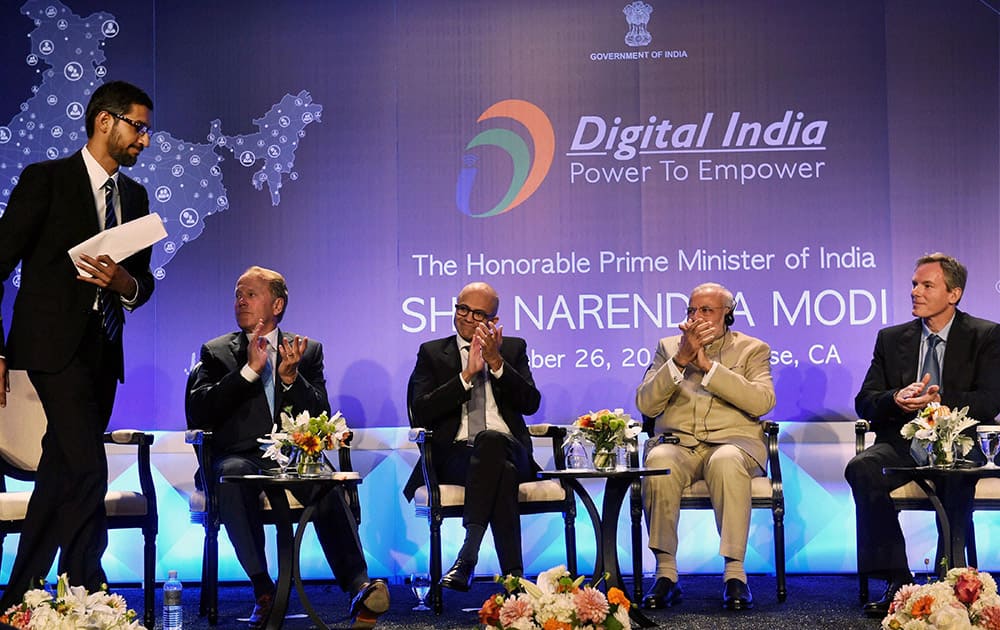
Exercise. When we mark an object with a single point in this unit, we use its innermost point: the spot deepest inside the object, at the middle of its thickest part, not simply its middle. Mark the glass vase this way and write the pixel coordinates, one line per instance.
(310, 466)
(941, 454)
(605, 458)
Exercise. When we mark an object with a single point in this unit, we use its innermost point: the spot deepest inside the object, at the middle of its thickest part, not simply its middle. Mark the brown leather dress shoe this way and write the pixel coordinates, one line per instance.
(261, 611)
(370, 602)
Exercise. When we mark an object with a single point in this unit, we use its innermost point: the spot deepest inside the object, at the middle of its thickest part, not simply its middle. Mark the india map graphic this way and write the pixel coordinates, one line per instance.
(183, 177)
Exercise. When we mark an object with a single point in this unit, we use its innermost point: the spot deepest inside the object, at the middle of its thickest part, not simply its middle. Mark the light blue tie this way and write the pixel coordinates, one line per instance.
(931, 366)
(267, 379)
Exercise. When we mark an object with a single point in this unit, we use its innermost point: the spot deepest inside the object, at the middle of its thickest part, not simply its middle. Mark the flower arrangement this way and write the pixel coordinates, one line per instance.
(939, 429)
(306, 435)
(71, 607)
(965, 598)
(607, 430)
(555, 602)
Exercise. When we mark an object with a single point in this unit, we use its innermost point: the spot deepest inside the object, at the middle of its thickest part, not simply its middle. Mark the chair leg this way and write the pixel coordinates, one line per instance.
(636, 513)
(435, 564)
(569, 521)
(970, 546)
(779, 552)
(149, 576)
(210, 582)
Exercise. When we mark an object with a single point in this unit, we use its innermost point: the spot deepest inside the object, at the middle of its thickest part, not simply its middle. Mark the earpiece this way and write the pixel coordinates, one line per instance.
(729, 319)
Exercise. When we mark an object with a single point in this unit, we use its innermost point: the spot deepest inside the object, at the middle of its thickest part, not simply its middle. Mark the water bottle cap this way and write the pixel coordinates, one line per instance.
(171, 574)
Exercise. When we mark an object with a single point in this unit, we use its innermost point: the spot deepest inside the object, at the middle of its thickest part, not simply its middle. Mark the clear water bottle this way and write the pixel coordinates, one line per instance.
(173, 614)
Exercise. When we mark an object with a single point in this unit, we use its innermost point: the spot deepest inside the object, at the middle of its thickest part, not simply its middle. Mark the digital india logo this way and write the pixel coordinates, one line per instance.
(528, 175)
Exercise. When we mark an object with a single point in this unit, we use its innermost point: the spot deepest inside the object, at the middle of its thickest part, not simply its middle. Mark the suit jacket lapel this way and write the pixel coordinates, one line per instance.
(956, 351)
(909, 352)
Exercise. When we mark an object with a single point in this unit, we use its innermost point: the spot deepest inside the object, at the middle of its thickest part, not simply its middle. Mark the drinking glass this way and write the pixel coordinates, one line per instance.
(989, 442)
(287, 452)
(420, 584)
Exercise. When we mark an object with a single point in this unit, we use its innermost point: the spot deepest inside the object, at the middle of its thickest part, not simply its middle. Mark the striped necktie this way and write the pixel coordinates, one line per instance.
(108, 302)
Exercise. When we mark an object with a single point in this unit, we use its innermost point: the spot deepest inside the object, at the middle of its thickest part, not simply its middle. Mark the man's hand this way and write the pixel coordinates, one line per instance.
(476, 363)
(291, 353)
(490, 338)
(918, 395)
(695, 335)
(108, 274)
(4, 383)
(257, 349)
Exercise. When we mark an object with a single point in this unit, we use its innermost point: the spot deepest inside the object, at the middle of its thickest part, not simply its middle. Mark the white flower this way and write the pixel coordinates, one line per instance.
(952, 616)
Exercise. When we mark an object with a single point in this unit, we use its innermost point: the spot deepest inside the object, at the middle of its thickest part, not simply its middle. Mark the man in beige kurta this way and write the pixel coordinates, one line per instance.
(708, 387)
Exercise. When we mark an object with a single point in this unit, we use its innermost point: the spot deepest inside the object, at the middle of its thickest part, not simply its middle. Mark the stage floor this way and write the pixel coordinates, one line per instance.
(813, 601)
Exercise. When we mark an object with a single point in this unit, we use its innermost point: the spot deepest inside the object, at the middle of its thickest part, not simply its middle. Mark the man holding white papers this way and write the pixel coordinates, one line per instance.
(67, 329)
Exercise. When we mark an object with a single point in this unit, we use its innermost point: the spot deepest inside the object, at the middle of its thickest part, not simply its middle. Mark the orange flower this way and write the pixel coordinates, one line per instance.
(489, 614)
(584, 422)
(922, 607)
(552, 624)
(309, 443)
(616, 596)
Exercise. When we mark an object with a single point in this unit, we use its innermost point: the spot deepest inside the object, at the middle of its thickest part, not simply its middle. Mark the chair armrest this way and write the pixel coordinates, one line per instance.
(143, 441)
(344, 453)
(773, 460)
(555, 433)
(422, 437)
(860, 428)
(128, 436)
(204, 481)
(346, 465)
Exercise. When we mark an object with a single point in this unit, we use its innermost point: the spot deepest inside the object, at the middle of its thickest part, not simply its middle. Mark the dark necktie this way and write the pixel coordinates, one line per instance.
(931, 364)
(108, 301)
(477, 404)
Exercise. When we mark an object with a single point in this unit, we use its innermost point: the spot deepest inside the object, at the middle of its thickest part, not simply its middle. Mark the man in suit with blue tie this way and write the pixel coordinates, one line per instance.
(945, 356)
(245, 379)
(67, 329)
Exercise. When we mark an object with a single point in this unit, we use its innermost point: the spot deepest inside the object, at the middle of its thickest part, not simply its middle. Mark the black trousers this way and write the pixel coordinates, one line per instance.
(239, 510)
(66, 511)
(491, 470)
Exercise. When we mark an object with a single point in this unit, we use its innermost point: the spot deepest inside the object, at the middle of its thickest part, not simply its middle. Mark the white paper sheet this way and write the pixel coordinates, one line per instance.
(122, 241)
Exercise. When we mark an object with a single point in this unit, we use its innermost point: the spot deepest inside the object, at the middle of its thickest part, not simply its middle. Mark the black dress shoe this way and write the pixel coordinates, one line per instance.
(880, 608)
(459, 576)
(663, 594)
(261, 611)
(736, 595)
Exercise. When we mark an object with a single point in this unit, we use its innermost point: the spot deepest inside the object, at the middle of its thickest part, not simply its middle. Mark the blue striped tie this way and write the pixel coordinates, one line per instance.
(108, 301)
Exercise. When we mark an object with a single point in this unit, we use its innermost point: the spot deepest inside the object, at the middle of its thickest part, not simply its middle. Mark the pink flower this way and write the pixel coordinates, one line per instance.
(989, 618)
(591, 605)
(968, 586)
(514, 609)
(902, 595)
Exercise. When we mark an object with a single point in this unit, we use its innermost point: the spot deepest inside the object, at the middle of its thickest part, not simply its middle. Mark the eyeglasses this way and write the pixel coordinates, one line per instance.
(463, 310)
(141, 128)
(703, 310)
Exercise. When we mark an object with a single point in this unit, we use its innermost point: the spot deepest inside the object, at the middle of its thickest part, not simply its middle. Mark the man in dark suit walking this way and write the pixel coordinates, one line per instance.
(245, 379)
(472, 391)
(944, 356)
(67, 329)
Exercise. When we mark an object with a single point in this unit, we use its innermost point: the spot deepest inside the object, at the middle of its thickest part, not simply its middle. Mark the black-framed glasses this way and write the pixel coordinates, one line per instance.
(702, 310)
(463, 310)
(141, 128)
